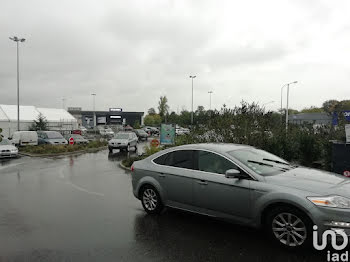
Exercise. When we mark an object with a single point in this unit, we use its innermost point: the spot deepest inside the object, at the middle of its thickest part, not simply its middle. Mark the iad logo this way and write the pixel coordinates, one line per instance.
(333, 236)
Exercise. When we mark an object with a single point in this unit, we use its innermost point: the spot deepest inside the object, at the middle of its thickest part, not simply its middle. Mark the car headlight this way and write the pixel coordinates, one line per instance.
(331, 201)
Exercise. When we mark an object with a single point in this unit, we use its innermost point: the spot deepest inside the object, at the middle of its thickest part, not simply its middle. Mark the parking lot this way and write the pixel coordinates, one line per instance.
(81, 208)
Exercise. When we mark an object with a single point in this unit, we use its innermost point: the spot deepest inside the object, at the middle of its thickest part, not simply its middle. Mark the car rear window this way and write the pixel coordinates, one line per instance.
(179, 158)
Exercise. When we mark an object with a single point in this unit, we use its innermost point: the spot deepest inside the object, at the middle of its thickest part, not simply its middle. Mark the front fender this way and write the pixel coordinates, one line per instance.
(298, 201)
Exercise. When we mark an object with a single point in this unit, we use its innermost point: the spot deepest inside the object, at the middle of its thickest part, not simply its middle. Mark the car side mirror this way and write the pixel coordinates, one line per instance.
(234, 173)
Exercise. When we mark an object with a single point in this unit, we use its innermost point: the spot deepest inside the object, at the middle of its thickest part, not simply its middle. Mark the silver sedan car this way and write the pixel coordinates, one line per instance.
(247, 186)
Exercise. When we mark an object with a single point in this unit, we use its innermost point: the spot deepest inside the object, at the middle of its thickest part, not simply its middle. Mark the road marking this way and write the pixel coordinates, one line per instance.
(83, 189)
(10, 165)
(78, 187)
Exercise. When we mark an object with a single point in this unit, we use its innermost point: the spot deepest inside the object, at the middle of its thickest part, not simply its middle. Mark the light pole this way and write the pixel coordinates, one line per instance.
(287, 108)
(210, 92)
(93, 107)
(192, 77)
(17, 40)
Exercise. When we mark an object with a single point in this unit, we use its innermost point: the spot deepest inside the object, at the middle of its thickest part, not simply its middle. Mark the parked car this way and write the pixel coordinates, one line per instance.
(152, 131)
(105, 131)
(141, 134)
(51, 137)
(123, 141)
(128, 128)
(78, 139)
(182, 131)
(7, 149)
(245, 185)
(24, 138)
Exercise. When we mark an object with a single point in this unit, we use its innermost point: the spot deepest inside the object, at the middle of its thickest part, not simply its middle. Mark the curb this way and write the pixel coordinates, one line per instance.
(124, 167)
(89, 150)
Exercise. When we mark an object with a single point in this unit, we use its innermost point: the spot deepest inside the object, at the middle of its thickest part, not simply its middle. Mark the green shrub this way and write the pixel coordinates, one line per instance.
(58, 149)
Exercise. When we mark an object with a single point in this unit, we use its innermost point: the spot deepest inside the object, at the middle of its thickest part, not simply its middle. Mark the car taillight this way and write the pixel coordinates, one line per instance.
(132, 168)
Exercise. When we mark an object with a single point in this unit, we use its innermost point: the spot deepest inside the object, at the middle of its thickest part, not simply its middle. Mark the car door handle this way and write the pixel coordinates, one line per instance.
(202, 182)
(161, 175)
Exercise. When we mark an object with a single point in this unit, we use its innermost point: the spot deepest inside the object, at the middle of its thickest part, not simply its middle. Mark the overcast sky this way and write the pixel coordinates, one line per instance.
(131, 52)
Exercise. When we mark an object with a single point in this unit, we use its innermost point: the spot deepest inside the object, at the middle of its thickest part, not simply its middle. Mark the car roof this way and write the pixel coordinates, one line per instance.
(216, 147)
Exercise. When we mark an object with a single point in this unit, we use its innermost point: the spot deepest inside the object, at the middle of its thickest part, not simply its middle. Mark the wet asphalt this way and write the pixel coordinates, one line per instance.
(81, 208)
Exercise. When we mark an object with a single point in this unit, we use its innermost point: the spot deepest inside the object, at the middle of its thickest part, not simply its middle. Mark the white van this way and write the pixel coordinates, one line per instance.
(24, 138)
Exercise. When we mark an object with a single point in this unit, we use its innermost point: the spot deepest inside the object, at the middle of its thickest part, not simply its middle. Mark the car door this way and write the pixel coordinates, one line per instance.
(214, 192)
(175, 175)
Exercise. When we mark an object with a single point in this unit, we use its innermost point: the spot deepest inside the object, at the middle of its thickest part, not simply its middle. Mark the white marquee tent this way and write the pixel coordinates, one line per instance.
(58, 119)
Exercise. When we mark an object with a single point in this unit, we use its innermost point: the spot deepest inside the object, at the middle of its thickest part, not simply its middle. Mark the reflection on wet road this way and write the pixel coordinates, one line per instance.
(81, 208)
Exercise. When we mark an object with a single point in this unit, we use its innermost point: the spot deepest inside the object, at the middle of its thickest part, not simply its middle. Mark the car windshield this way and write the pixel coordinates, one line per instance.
(261, 162)
(5, 142)
(141, 132)
(121, 136)
(54, 135)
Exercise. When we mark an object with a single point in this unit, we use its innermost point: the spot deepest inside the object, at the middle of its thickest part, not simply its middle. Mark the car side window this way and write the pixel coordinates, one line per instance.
(213, 163)
(179, 158)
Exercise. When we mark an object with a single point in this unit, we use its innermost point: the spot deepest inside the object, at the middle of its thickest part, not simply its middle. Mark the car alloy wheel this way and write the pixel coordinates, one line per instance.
(150, 199)
(289, 229)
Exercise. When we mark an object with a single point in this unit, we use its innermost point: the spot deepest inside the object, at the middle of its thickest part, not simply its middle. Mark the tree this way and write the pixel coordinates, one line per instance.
(136, 125)
(312, 109)
(39, 124)
(152, 120)
(163, 107)
(152, 111)
(330, 106)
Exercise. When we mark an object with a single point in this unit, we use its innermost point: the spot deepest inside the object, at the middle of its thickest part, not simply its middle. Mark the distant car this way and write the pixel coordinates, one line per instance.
(105, 131)
(123, 141)
(182, 131)
(128, 128)
(7, 149)
(151, 130)
(24, 138)
(83, 129)
(51, 137)
(78, 139)
(141, 134)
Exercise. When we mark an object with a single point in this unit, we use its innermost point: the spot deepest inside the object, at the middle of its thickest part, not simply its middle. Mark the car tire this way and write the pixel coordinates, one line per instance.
(151, 200)
(289, 227)
(110, 150)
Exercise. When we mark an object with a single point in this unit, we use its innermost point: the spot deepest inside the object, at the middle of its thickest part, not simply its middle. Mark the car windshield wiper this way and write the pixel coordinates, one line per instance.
(276, 161)
(260, 163)
(284, 169)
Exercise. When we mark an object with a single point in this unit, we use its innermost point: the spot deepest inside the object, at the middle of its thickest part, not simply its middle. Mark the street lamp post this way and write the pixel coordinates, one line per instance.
(210, 92)
(93, 107)
(192, 77)
(17, 40)
(287, 108)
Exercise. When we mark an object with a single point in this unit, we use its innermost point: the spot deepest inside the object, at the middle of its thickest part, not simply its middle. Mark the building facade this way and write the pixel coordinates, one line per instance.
(115, 116)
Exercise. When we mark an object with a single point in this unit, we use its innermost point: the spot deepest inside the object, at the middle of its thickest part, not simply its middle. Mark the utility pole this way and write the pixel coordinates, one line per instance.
(210, 92)
(192, 77)
(93, 108)
(17, 40)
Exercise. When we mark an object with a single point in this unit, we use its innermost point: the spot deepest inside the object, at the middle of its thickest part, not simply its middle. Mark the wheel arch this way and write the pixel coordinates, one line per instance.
(271, 206)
